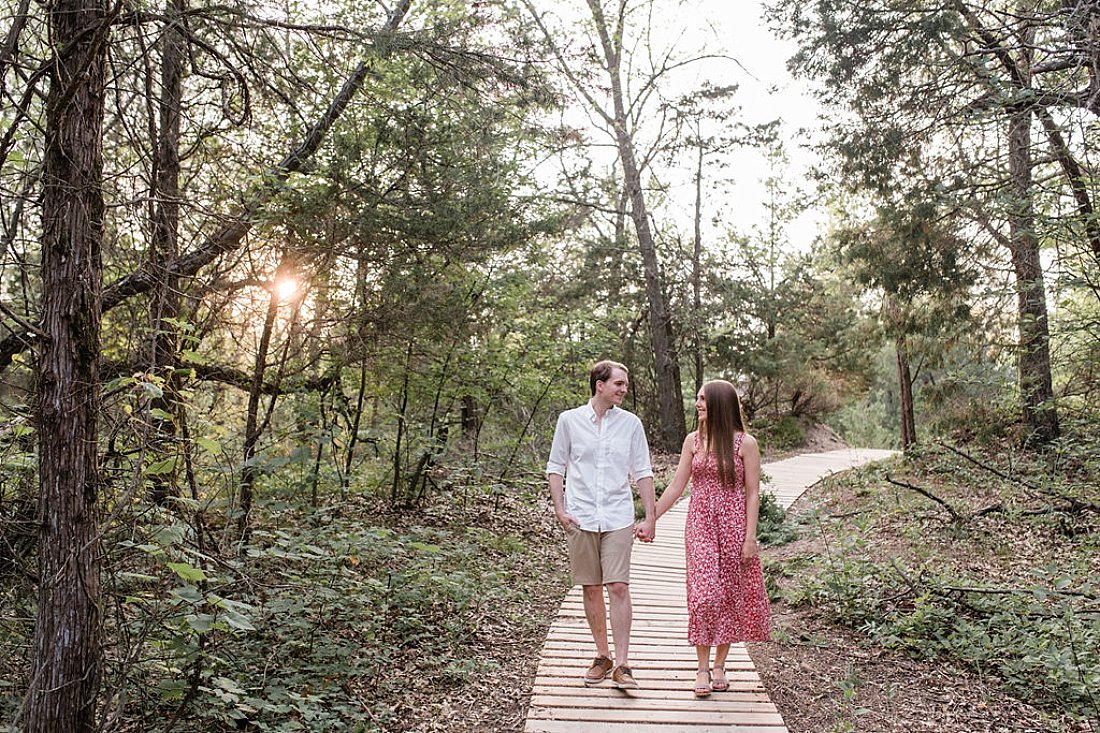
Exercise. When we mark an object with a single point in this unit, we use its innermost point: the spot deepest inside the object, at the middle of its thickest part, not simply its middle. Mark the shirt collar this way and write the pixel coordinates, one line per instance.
(590, 411)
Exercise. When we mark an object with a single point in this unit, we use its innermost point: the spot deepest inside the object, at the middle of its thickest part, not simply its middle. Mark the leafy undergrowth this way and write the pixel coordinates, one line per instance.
(981, 564)
(345, 617)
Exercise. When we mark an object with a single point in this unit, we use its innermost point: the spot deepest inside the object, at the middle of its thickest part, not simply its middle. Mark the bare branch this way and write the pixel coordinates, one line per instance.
(232, 230)
(924, 492)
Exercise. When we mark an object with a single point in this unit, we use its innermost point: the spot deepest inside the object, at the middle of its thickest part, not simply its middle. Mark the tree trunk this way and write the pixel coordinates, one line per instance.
(65, 668)
(1036, 388)
(253, 429)
(353, 433)
(696, 275)
(164, 307)
(361, 274)
(671, 403)
(905, 390)
(469, 416)
(401, 429)
(620, 243)
(671, 422)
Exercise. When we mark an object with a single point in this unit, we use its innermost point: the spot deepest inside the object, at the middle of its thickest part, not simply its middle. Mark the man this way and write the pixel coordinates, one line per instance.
(602, 447)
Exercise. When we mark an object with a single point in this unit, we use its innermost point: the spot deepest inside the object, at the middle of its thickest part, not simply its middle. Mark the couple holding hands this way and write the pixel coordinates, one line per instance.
(602, 447)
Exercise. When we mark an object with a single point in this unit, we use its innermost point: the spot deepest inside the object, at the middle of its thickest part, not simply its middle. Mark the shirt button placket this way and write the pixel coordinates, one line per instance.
(601, 434)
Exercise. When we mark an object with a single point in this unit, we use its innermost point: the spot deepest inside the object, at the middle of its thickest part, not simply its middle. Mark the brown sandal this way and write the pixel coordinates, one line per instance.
(702, 689)
(719, 682)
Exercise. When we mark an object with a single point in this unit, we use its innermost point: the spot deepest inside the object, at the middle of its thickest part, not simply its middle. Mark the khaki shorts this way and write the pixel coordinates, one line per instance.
(599, 558)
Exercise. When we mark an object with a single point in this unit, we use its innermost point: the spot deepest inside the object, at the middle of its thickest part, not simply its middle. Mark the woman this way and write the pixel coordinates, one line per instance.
(726, 599)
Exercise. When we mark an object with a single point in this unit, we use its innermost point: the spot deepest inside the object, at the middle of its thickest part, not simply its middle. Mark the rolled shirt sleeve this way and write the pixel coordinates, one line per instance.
(559, 449)
(641, 465)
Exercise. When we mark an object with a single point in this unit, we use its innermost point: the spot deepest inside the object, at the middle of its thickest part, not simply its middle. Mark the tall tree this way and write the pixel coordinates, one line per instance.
(66, 665)
(949, 92)
(620, 116)
(911, 257)
(1036, 383)
(164, 306)
(704, 121)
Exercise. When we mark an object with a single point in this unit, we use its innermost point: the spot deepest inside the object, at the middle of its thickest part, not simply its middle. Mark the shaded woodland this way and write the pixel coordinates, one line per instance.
(290, 296)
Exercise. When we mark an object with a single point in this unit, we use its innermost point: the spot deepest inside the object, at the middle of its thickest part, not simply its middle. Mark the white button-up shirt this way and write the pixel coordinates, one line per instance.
(600, 460)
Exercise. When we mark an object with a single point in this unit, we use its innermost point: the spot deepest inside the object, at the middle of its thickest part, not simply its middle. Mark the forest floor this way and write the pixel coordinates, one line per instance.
(822, 675)
(1009, 535)
(504, 651)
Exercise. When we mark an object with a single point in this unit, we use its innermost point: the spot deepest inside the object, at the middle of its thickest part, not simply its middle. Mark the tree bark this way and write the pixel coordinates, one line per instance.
(1036, 388)
(905, 390)
(401, 429)
(1036, 385)
(253, 429)
(65, 669)
(164, 307)
(353, 432)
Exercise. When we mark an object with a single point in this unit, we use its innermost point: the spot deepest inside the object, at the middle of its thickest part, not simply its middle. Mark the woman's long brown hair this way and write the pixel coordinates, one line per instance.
(723, 421)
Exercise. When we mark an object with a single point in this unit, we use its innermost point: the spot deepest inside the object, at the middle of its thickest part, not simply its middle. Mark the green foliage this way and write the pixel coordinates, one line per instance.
(1009, 591)
(961, 393)
(326, 621)
(1041, 642)
(772, 529)
(934, 233)
(783, 434)
(966, 396)
(868, 422)
(785, 360)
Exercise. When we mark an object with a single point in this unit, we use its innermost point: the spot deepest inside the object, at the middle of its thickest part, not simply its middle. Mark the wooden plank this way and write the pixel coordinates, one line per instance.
(684, 702)
(621, 713)
(655, 649)
(565, 688)
(570, 726)
(676, 696)
(646, 676)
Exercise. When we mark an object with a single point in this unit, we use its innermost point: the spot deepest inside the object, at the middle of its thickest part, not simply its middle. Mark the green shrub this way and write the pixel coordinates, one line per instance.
(1043, 643)
(785, 433)
(772, 528)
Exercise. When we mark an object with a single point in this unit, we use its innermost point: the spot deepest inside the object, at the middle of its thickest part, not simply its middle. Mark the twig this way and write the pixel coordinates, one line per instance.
(991, 469)
(1017, 591)
(1081, 675)
(924, 492)
(913, 586)
(997, 508)
(845, 515)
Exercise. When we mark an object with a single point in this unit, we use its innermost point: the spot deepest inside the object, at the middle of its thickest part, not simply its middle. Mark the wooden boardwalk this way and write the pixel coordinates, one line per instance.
(663, 663)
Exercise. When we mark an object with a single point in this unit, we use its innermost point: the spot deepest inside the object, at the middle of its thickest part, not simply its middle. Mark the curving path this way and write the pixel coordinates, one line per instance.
(663, 663)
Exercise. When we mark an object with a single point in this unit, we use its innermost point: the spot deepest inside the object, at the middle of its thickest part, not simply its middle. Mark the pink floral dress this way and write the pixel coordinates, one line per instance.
(726, 599)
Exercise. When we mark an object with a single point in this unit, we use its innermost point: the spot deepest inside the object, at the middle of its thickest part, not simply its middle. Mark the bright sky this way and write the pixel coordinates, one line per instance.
(766, 92)
(755, 61)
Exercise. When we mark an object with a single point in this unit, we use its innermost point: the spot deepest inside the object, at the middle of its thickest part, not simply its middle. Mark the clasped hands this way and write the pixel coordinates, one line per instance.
(644, 530)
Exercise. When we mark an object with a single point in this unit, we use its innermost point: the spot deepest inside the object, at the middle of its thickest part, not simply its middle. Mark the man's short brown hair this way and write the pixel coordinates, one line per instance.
(601, 372)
